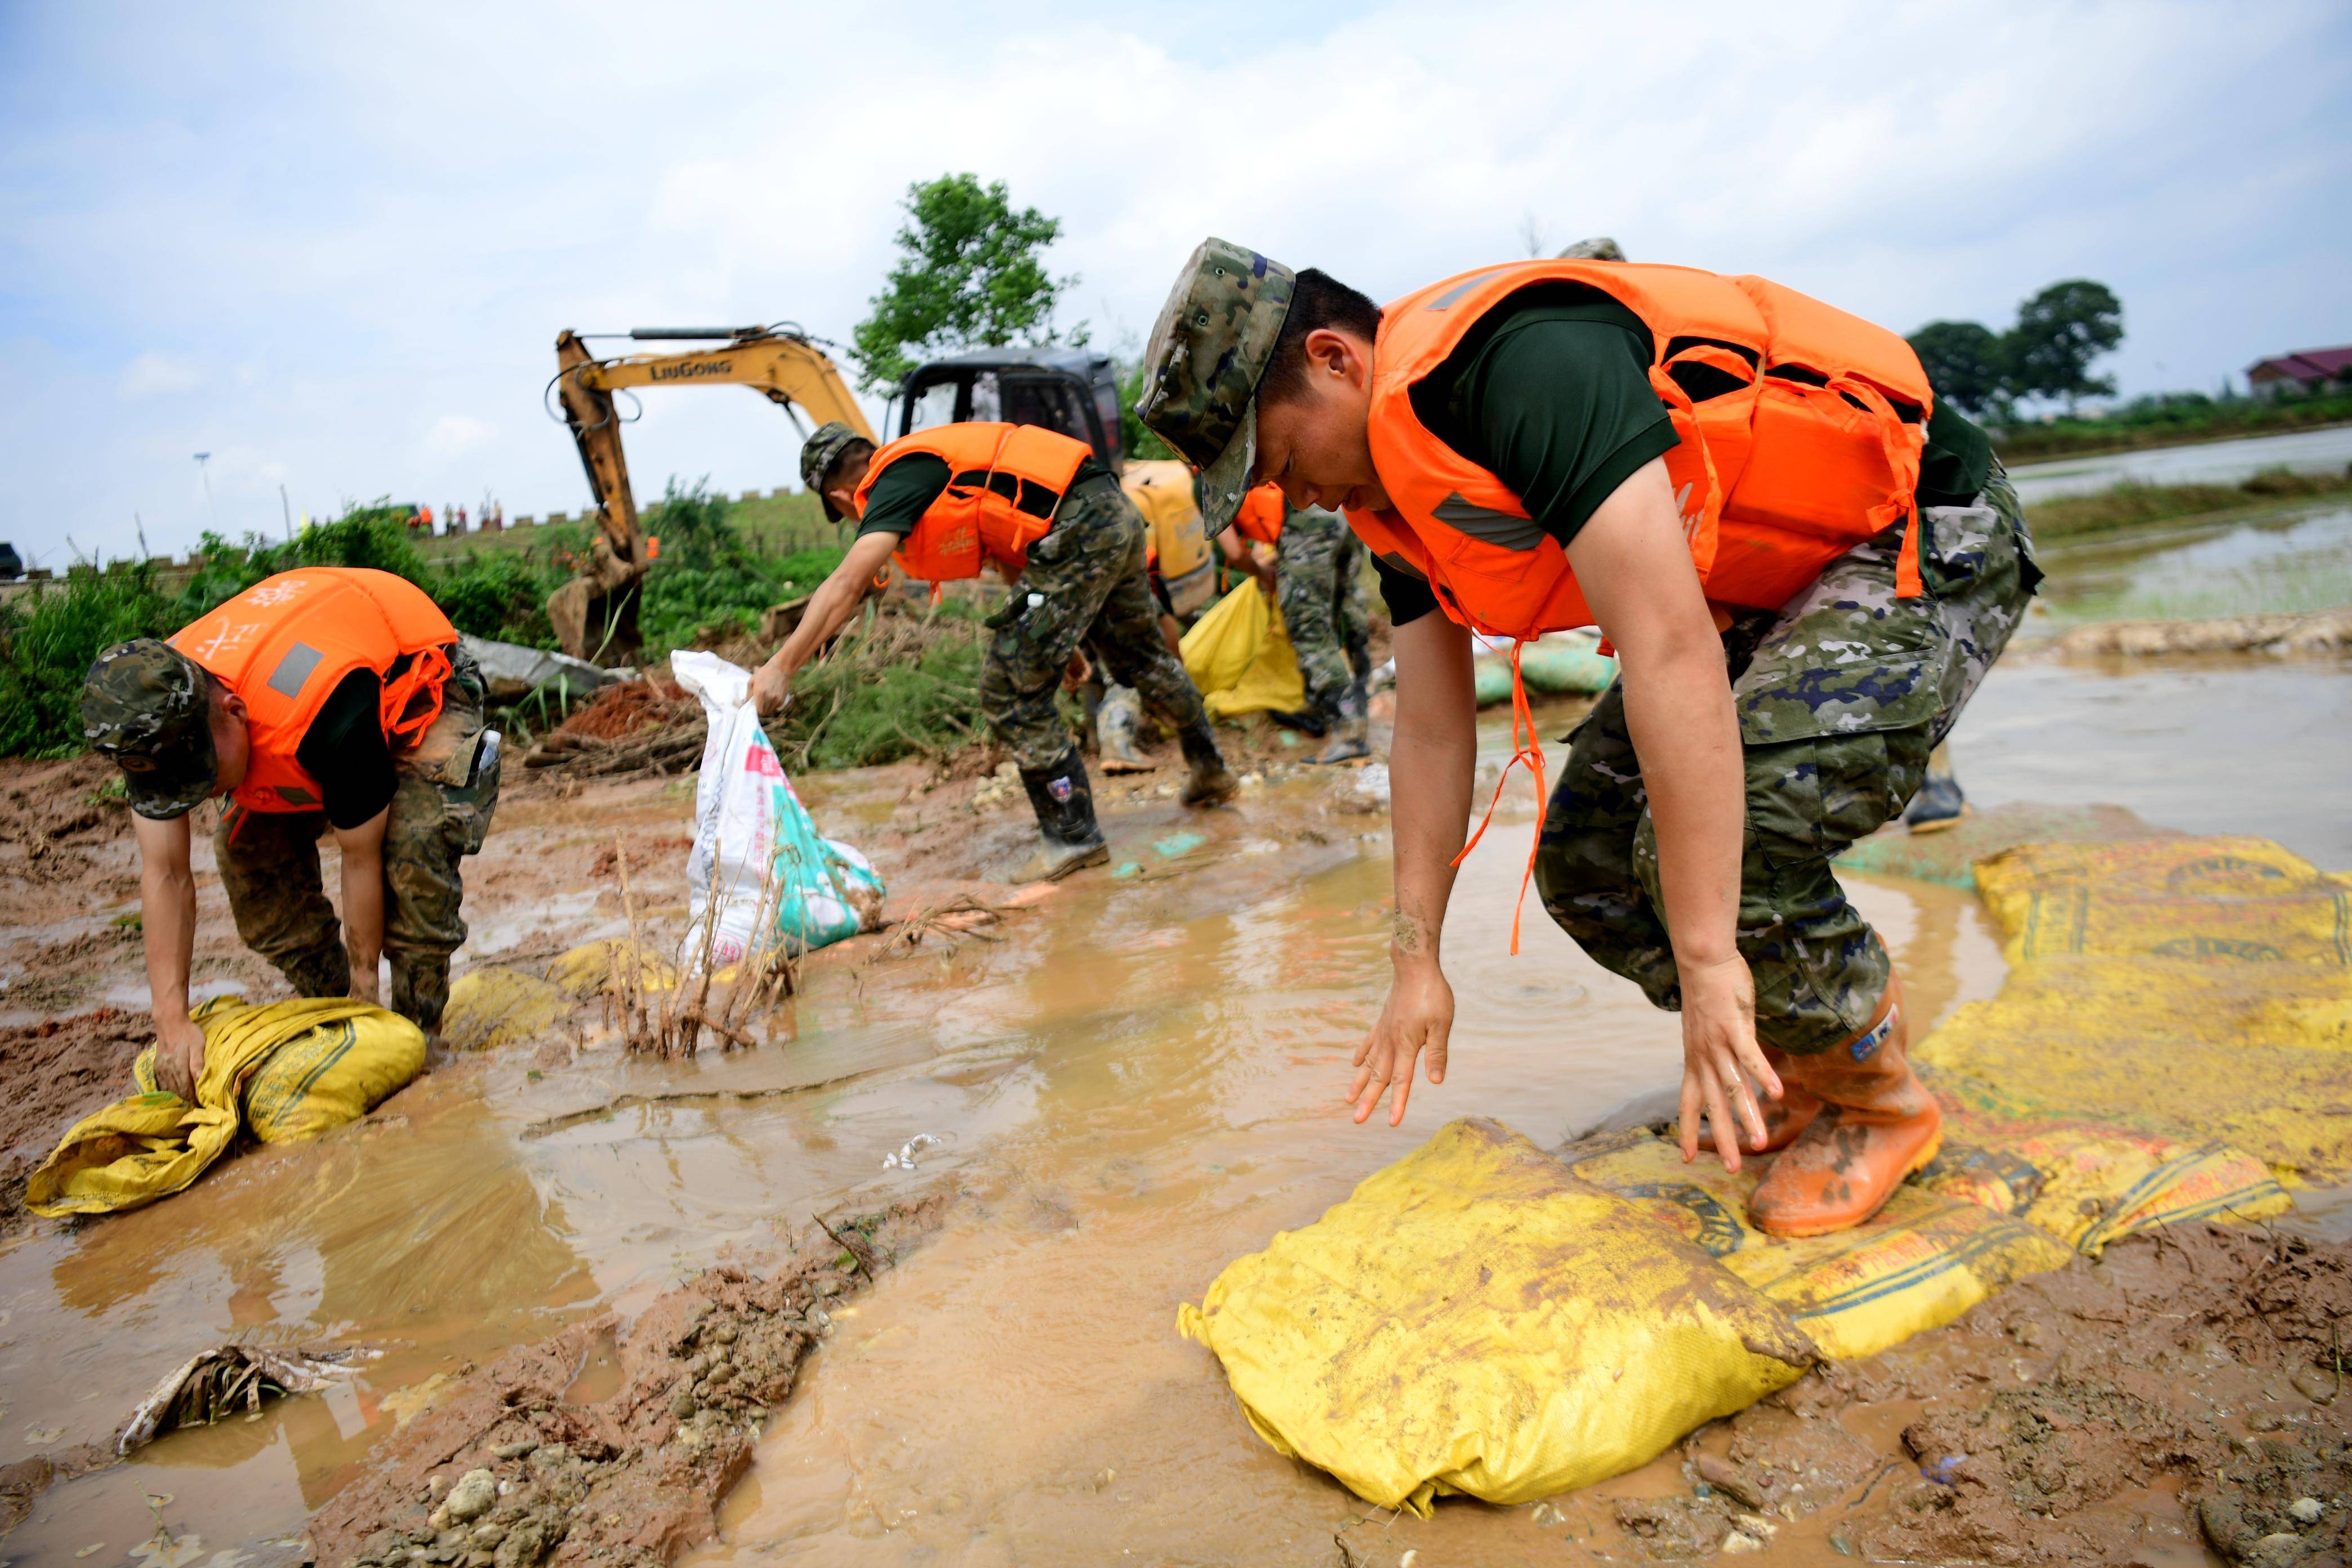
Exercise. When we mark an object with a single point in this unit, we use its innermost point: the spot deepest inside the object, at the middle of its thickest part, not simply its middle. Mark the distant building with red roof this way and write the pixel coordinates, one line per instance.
(2309, 369)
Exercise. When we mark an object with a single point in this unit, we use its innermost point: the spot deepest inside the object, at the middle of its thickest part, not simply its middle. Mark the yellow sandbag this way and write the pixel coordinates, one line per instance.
(1924, 1260)
(2196, 989)
(342, 1059)
(593, 969)
(2087, 1185)
(1224, 642)
(1475, 1319)
(1241, 658)
(2241, 899)
(492, 1006)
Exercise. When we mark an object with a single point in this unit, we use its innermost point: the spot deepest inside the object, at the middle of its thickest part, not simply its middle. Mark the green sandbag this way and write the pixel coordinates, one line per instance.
(1558, 669)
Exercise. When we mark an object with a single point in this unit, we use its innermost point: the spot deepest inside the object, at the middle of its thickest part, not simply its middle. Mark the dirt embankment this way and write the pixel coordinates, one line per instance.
(546, 1457)
(2186, 1391)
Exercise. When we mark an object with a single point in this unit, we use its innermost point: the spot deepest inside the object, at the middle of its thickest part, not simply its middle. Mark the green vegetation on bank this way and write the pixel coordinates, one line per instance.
(712, 582)
(2130, 505)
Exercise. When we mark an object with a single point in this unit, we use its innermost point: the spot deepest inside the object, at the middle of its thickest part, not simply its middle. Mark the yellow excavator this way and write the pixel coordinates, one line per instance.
(595, 614)
(1074, 391)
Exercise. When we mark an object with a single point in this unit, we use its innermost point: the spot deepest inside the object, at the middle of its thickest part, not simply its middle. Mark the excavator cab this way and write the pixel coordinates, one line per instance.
(1074, 391)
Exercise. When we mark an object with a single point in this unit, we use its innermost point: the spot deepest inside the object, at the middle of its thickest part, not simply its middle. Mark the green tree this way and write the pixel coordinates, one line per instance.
(968, 276)
(1965, 363)
(2059, 332)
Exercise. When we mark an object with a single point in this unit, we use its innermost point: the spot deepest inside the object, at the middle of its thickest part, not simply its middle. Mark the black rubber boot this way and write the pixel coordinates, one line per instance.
(1211, 782)
(1347, 728)
(1306, 721)
(1065, 821)
(1939, 803)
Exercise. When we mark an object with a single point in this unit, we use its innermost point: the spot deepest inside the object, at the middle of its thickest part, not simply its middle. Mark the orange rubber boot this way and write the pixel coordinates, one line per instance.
(1878, 1124)
(1783, 1118)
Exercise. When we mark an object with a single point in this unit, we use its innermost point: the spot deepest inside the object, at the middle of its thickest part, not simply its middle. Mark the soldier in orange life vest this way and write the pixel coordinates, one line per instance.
(1806, 564)
(1058, 526)
(327, 698)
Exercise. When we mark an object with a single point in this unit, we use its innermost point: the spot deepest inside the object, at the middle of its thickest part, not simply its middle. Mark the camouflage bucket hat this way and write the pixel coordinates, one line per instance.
(147, 708)
(818, 454)
(1209, 349)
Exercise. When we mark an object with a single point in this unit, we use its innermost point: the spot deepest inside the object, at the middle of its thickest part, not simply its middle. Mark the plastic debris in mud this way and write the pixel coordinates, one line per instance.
(904, 1159)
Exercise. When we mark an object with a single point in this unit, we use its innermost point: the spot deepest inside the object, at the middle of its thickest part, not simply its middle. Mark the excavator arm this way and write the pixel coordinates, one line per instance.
(595, 615)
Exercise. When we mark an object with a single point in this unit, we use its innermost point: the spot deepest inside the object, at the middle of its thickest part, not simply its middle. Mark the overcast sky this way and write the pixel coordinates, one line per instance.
(332, 245)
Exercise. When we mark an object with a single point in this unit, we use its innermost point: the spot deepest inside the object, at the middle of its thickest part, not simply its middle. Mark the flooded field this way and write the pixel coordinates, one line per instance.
(2205, 463)
(1139, 1082)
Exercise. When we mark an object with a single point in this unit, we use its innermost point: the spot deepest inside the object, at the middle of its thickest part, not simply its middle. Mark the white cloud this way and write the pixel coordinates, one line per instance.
(385, 215)
(157, 375)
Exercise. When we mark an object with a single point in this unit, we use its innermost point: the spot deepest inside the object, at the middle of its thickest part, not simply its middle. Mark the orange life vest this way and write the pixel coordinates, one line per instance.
(1812, 448)
(972, 519)
(1260, 517)
(284, 644)
(1815, 448)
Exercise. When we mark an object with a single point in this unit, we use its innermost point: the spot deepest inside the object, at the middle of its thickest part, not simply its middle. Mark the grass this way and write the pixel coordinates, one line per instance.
(2131, 505)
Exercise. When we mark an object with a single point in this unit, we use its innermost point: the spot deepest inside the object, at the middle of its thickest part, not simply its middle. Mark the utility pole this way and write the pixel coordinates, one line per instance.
(287, 508)
(214, 511)
(139, 523)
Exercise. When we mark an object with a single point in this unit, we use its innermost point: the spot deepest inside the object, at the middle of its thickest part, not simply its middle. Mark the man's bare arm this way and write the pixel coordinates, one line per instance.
(363, 853)
(167, 923)
(1431, 762)
(835, 600)
(1634, 562)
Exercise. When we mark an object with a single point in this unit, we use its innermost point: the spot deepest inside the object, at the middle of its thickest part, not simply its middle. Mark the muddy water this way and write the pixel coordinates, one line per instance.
(2204, 463)
(1137, 1086)
(1016, 1392)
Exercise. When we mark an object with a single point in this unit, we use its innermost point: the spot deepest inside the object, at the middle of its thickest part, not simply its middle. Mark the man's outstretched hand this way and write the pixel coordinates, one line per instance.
(179, 1056)
(770, 688)
(1719, 1055)
(1418, 1016)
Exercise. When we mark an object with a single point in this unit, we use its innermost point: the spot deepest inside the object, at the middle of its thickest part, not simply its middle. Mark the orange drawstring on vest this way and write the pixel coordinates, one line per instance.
(428, 671)
(1526, 747)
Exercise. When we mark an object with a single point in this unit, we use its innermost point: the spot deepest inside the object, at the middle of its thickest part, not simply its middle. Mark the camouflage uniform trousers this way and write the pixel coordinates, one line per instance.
(1319, 584)
(440, 813)
(1085, 583)
(1841, 696)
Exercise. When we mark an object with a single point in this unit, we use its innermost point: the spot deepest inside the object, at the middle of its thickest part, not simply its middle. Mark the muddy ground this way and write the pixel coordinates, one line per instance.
(2176, 1403)
(613, 1442)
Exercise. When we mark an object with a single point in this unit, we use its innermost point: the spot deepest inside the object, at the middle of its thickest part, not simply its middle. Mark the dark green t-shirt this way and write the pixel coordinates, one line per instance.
(907, 487)
(1550, 394)
(344, 749)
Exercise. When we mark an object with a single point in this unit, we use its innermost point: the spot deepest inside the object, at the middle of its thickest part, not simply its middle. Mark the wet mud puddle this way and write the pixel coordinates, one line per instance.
(1132, 1087)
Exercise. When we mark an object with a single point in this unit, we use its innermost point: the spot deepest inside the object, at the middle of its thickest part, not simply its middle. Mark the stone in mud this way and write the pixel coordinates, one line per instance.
(476, 1493)
(2319, 1387)
(514, 1450)
(2276, 1551)
(1732, 1481)
(2306, 1509)
(525, 1544)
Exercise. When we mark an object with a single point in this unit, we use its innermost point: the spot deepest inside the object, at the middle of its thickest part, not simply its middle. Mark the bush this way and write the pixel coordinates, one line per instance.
(51, 635)
(710, 581)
